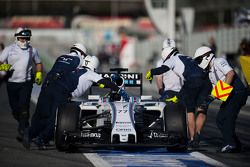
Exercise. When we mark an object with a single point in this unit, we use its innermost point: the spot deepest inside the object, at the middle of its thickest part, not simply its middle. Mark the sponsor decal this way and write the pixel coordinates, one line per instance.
(124, 75)
(90, 135)
(117, 122)
(123, 130)
(157, 135)
(129, 78)
(123, 125)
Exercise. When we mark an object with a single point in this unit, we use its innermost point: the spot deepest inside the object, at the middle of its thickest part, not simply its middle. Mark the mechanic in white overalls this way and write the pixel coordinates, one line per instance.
(17, 59)
(195, 86)
(219, 69)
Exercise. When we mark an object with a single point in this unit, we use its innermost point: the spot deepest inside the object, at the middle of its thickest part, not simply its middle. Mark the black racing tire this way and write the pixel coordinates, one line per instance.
(175, 120)
(67, 120)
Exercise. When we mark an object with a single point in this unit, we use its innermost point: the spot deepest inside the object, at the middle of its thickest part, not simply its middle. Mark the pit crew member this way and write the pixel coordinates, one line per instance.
(54, 92)
(87, 79)
(195, 85)
(17, 60)
(219, 69)
(168, 84)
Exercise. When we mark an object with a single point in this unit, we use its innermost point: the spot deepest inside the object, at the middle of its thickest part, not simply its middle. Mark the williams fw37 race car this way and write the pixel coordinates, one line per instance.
(113, 122)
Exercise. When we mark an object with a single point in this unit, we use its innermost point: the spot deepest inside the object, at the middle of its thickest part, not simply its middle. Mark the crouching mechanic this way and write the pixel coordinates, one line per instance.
(87, 79)
(219, 69)
(54, 92)
(195, 85)
(19, 58)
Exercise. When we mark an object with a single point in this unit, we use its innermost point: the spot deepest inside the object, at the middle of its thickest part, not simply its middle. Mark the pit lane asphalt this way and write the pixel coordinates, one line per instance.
(13, 154)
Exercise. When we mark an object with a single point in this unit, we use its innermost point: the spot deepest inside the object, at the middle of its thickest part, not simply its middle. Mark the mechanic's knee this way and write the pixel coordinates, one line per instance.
(201, 111)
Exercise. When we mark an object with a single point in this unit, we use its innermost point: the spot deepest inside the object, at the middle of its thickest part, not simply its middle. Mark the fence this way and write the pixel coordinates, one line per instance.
(52, 43)
(227, 40)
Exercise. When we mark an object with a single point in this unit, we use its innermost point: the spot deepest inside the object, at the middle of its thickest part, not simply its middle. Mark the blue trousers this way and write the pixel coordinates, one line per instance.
(227, 115)
(19, 99)
(43, 120)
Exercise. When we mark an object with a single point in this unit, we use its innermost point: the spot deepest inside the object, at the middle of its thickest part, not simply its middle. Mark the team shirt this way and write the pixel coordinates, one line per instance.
(85, 82)
(67, 63)
(64, 69)
(171, 81)
(219, 69)
(186, 68)
(65, 72)
(21, 61)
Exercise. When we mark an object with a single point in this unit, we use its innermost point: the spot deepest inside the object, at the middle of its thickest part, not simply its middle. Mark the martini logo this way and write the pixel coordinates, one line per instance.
(130, 79)
(222, 90)
(134, 76)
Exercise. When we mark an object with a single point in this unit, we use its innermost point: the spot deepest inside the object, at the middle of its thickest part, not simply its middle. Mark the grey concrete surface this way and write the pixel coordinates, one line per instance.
(13, 154)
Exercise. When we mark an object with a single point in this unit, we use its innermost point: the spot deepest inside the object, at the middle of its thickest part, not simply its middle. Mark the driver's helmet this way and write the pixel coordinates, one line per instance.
(117, 79)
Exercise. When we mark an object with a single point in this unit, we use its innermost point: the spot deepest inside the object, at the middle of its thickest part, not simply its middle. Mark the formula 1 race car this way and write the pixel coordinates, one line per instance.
(111, 121)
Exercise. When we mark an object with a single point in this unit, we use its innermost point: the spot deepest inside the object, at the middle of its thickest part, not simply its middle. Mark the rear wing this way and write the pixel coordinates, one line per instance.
(130, 79)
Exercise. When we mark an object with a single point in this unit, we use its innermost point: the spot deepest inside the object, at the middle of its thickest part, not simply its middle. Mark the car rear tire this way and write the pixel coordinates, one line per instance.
(175, 120)
(67, 120)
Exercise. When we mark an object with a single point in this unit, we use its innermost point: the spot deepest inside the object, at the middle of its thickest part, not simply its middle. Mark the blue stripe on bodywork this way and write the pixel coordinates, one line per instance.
(113, 113)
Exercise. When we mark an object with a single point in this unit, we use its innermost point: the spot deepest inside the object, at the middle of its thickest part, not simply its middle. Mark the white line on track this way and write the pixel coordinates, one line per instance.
(116, 159)
(208, 160)
(96, 160)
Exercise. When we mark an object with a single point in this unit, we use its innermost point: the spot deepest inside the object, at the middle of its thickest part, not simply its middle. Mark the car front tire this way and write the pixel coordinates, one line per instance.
(67, 120)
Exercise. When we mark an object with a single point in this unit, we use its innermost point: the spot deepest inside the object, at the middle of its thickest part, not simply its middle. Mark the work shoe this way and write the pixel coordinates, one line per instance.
(195, 142)
(19, 138)
(192, 144)
(40, 143)
(26, 139)
(229, 149)
(197, 139)
(20, 132)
